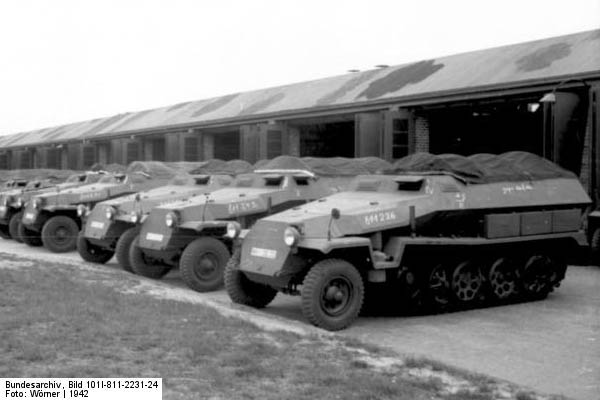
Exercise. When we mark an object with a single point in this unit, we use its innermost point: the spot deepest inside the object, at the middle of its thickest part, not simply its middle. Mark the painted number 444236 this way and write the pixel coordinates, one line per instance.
(380, 217)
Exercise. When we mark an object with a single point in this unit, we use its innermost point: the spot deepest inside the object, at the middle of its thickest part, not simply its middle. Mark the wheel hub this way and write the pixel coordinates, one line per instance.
(206, 267)
(336, 296)
(502, 278)
(466, 281)
(439, 286)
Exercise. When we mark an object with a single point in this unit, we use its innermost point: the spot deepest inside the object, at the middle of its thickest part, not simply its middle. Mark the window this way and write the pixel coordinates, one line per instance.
(132, 152)
(89, 156)
(190, 149)
(4, 161)
(274, 145)
(25, 160)
(400, 138)
(53, 158)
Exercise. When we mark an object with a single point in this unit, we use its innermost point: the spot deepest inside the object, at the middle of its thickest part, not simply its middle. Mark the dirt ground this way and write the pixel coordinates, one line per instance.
(551, 346)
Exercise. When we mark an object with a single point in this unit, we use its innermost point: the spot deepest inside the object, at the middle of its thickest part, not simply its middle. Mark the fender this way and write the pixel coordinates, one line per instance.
(199, 226)
(60, 207)
(326, 246)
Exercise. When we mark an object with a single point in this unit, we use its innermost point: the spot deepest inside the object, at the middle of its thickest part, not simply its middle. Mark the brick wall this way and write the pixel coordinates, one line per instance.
(421, 134)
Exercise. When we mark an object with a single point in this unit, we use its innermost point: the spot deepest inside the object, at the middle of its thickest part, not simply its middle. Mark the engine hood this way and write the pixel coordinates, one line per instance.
(360, 212)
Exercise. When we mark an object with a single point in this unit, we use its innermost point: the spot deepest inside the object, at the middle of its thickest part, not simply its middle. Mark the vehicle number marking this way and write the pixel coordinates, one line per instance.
(522, 187)
(154, 237)
(90, 196)
(29, 215)
(379, 217)
(97, 224)
(264, 253)
(242, 206)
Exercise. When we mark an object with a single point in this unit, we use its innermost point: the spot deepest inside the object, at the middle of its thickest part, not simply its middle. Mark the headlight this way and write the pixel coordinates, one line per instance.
(135, 217)
(20, 202)
(233, 230)
(37, 203)
(82, 210)
(5, 201)
(110, 212)
(171, 219)
(291, 236)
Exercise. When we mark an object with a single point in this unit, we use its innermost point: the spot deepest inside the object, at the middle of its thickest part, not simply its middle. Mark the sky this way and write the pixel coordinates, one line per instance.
(64, 61)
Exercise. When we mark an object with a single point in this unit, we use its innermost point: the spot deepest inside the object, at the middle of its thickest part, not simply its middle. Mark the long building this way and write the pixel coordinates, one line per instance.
(539, 96)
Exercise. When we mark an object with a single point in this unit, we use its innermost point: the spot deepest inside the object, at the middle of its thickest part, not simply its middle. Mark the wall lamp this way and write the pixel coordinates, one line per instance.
(551, 97)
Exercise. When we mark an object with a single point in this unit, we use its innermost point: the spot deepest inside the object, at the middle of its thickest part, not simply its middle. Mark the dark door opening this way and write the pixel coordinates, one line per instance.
(159, 149)
(227, 145)
(488, 128)
(327, 140)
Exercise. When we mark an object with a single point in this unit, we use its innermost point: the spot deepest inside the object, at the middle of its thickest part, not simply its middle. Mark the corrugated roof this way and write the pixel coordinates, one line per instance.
(542, 59)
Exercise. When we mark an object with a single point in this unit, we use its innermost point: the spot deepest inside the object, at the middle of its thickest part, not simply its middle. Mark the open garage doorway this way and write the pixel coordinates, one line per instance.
(488, 127)
(327, 139)
(227, 145)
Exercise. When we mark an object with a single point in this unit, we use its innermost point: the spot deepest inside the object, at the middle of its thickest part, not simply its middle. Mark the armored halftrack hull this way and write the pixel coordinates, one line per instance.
(438, 236)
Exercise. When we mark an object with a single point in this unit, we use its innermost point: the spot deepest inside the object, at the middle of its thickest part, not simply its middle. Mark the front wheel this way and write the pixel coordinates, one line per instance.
(29, 236)
(202, 264)
(4, 232)
(92, 253)
(143, 265)
(123, 247)
(332, 294)
(13, 226)
(59, 234)
(242, 290)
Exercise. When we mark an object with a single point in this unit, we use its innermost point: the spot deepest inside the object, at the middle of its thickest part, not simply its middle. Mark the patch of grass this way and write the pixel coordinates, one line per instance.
(57, 325)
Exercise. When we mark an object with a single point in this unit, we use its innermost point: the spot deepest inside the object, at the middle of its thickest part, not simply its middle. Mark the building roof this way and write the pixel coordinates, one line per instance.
(540, 60)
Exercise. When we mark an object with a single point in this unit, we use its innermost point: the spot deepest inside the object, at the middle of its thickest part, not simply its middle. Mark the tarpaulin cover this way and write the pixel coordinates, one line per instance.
(113, 168)
(482, 168)
(326, 166)
(58, 175)
(220, 167)
(163, 170)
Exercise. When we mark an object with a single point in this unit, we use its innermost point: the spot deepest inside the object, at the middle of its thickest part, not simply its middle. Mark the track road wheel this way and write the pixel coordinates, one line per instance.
(123, 246)
(29, 236)
(59, 234)
(92, 253)
(332, 294)
(595, 247)
(439, 292)
(4, 232)
(144, 265)
(540, 274)
(502, 278)
(242, 290)
(13, 226)
(466, 282)
(202, 264)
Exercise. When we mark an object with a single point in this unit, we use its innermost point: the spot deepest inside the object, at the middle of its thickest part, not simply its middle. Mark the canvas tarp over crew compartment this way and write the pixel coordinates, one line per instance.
(513, 166)
(325, 166)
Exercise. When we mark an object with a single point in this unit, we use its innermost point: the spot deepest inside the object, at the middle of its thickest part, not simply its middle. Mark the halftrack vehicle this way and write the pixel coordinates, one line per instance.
(192, 234)
(113, 224)
(444, 232)
(54, 219)
(13, 202)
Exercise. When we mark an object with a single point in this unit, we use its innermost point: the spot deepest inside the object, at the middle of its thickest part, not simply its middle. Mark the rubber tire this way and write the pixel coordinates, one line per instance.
(4, 232)
(92, 253)
(52, 225)
(13, 226)
(123, 245)
(313, 286)
(139, 265)
(595, 247)
(242, 290)
(192, 254)
(29, 236)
